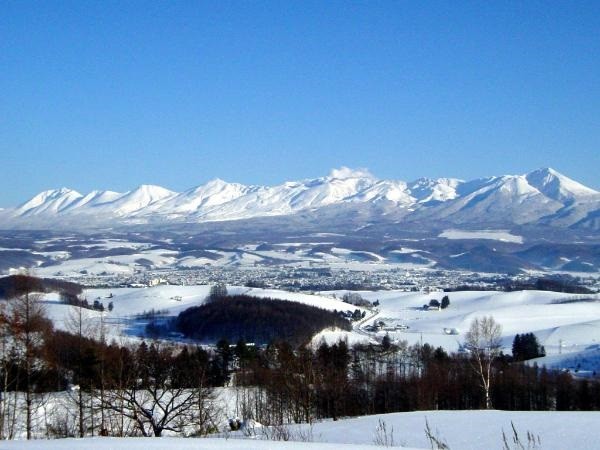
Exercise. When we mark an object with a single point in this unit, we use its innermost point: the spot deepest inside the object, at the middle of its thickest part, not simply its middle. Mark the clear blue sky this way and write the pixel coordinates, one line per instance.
(101, 94)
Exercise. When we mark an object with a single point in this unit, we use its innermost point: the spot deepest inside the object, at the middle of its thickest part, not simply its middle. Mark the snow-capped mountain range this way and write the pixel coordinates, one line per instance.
(543, 197)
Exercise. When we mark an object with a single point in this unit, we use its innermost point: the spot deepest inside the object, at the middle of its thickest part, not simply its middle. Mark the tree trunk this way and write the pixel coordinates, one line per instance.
(80, 407)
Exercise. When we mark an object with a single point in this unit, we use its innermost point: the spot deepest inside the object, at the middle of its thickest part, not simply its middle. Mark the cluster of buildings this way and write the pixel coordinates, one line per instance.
(316, 279)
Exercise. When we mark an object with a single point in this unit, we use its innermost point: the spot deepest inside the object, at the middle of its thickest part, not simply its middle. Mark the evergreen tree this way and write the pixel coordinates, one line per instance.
(445, 302)
(386, 342)
(526, 346)
(517, 348)
(433, 302)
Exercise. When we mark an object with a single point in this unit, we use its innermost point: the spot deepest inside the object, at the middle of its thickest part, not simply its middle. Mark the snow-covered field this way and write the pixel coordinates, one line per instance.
(569, 329)
(497, 235)
(301, 255)
(121, 323)
(461, 430)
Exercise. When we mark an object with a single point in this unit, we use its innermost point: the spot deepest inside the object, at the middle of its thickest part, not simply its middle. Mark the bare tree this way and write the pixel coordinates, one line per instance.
(28, 322)
(101, 337)
(80, 323)
(483, 342)
(156, 399)
(8, 399)
(218, 290)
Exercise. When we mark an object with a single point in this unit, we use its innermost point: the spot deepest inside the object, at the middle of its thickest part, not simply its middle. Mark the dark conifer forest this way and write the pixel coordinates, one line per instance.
(259, 320)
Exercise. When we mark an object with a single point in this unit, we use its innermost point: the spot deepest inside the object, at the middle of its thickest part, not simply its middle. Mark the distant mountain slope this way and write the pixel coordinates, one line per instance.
(542, 197)
(48, 202)
(558, 187)
(501, 200)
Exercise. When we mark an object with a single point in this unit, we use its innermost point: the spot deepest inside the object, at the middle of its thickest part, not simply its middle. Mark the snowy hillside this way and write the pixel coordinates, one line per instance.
(567, 325)
(281, 244)
(129, 303)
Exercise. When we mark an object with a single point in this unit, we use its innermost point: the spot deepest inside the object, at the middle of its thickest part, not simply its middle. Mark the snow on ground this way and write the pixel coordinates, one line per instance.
(162, 258)
(581, 363)
(467, 430)
(496, 235)
(569, 329)
(191, 262)
(309, 299)
(561, 327)
(332, 336)
(121, 264)
(92, 266)
(168, 443)
(130, 302)
(461, 430)
(293, 254)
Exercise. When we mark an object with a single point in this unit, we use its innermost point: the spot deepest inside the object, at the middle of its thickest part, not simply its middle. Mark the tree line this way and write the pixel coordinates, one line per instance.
(332, 381)
(16, 285)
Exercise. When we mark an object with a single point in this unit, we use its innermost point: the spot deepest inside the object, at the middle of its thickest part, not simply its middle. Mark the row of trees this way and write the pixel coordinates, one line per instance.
(283, 385)
(17, 285)
(97, 305)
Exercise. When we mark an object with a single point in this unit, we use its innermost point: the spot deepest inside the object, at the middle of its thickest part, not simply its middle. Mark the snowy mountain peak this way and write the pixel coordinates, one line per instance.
(216, 182)
(215, 192)
(143, 196)
(385, 190)
(98, 197)
(53, 200)
(426, 190)
(48, 195)
(557, 186)
(147, 194)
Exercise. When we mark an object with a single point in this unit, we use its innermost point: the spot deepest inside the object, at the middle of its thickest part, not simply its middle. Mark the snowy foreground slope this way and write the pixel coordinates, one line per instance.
(169, 443)
(461, 430)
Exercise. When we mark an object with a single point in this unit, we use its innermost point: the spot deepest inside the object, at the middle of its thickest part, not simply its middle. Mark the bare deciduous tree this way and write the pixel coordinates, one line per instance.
(8, 396)
(158, 400)
(28, 322)
(483, 342)
(80, 323)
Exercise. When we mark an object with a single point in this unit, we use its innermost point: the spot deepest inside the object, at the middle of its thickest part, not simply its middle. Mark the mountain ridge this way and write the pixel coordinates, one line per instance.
(543, 196)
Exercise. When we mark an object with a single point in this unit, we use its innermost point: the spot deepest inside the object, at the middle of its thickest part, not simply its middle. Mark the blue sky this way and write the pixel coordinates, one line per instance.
(99, 95)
